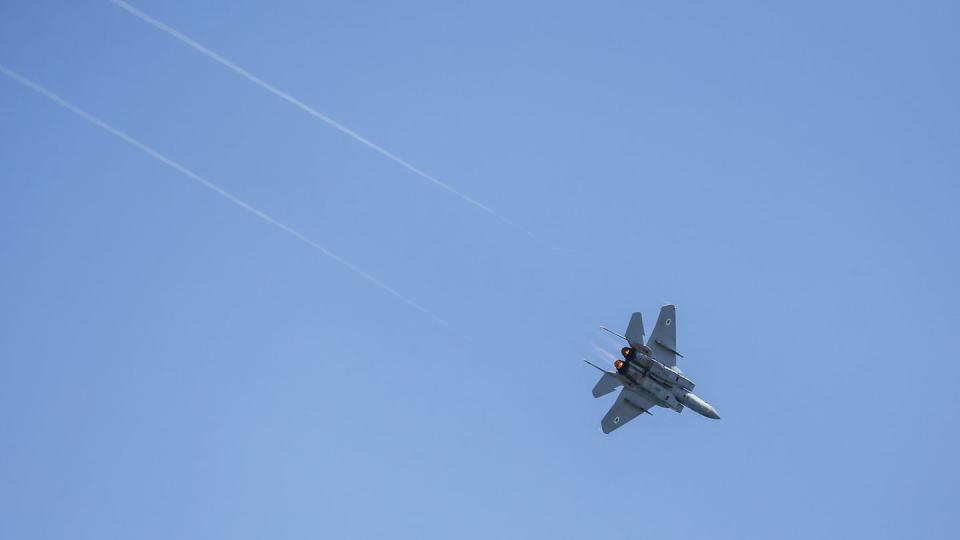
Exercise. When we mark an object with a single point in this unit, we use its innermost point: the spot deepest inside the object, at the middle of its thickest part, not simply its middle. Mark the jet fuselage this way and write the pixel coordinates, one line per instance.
(670, 388)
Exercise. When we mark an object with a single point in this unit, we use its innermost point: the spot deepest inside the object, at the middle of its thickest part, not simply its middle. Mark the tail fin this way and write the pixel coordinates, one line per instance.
(634, 333)
(663, 340)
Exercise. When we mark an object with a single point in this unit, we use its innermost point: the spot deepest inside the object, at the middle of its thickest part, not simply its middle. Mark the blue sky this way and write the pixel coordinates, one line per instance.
(173, 366)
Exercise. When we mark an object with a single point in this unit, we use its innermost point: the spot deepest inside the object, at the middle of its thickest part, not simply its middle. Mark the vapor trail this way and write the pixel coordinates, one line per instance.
(606, 354)
(308, 109)
(213, 187)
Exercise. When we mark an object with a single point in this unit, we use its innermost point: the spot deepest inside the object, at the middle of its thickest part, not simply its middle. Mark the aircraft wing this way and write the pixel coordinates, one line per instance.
(629, 405)
(663, 340)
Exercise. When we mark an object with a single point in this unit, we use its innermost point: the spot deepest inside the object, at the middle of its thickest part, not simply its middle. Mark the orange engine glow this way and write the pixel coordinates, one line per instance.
(625, 351)
(618, 364)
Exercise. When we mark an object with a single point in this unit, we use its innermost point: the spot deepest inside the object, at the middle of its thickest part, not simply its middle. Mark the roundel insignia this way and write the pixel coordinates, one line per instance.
(616, 419)
(668, 322)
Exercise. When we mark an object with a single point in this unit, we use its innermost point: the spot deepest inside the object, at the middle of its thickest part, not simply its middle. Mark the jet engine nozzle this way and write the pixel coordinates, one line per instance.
(628, 353)
(619, 364)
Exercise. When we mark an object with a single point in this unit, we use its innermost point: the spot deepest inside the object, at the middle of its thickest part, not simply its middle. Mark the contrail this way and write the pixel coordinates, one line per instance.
(309, 110)
(605, 353)
(213, 187)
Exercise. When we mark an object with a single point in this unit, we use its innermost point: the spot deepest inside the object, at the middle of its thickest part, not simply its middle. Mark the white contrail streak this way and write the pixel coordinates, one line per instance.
(212, 186)
(308, 109)
(606, 354)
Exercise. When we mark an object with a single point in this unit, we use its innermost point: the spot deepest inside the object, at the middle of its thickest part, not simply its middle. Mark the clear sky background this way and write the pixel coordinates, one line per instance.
(171, 366)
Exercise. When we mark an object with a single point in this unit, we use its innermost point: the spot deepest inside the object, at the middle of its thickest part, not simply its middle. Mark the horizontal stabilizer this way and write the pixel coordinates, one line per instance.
(608, 383)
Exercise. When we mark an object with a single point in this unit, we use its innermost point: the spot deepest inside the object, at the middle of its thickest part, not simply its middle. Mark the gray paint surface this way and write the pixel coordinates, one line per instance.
(649, 375)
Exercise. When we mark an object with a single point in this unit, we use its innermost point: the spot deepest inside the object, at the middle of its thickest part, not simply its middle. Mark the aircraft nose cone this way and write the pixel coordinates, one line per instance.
(700, 406)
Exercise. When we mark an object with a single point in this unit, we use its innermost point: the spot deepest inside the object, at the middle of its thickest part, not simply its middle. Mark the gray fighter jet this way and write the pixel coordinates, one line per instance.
(648, 374)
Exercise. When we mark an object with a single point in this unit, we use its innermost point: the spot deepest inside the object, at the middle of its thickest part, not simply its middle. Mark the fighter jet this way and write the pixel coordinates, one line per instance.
(648, 374)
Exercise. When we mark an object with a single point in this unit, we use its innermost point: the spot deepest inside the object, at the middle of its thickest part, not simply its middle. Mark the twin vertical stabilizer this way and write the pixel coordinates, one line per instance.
(663, 340)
